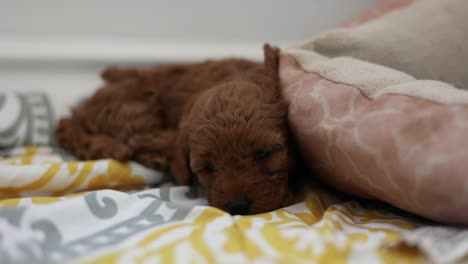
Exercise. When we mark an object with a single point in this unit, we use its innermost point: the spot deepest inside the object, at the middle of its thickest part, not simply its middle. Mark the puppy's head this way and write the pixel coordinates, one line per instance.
(235, 141)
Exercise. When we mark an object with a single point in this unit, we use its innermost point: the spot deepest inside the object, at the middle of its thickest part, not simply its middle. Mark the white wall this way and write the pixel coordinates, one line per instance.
(55, 44)
(149, 30)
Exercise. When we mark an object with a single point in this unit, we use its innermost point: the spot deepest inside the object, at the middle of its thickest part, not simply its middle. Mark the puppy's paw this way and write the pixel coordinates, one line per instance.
(153, 160)
(153, 149)
(102, 146)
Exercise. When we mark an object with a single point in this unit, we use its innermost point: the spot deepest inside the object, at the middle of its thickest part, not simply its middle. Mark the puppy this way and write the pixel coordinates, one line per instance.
(222, 124)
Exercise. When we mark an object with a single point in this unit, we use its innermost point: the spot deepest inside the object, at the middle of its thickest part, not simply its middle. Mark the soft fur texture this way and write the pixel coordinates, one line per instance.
(222, 123)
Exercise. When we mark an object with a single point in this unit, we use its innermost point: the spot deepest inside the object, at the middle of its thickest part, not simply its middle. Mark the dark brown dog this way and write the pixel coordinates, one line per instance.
(223, 122)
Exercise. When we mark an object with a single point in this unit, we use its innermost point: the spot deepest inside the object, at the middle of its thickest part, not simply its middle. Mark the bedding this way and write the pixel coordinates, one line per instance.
(56, 209)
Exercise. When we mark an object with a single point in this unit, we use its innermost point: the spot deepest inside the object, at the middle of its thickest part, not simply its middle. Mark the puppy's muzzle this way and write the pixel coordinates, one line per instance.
(239, 206)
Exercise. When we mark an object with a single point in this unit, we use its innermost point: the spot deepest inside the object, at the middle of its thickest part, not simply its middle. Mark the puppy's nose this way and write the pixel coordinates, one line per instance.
(239, 206)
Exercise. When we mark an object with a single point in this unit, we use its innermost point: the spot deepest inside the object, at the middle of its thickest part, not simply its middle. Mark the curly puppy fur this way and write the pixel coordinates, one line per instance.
(222, 123)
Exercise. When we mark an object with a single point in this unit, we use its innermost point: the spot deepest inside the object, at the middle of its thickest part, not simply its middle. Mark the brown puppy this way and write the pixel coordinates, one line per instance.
(226, 119)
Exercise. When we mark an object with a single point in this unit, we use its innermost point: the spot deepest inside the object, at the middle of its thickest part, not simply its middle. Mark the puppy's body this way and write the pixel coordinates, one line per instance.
(135, 115)
(220, 121)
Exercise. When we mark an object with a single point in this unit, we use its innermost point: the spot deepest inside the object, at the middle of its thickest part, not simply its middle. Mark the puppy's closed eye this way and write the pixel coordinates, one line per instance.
(266, 153)
(270, 160)
(203, 167)
(209, 168)
(263, 154)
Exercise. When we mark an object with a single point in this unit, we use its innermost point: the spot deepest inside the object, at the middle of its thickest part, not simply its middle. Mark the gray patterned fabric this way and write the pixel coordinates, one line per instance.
(26, 119)
(44, 234)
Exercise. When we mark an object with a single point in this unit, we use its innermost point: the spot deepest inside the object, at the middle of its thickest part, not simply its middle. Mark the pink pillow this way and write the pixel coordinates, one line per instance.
(378, 132)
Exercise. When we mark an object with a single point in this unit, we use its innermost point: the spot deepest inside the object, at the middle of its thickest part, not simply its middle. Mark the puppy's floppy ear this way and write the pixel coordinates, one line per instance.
(180, 163)
(271, 64)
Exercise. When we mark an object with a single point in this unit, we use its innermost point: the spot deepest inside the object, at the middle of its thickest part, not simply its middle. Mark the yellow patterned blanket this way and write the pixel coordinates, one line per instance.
(55, 209)
(49, 214)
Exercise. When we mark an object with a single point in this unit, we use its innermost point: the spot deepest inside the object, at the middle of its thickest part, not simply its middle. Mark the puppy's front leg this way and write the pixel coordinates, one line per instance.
(152, 149)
